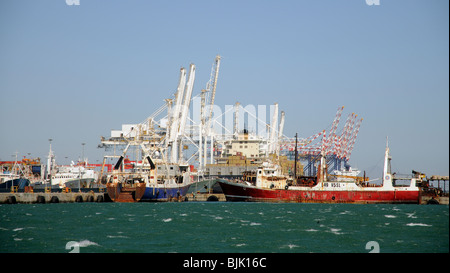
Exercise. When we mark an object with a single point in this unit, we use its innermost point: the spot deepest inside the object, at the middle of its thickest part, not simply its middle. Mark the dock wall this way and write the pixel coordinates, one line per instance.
(53, 197)
(436, 200)
(202, 197)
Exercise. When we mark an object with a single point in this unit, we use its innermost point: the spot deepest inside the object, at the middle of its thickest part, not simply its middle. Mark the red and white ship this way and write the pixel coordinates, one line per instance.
(271, 186)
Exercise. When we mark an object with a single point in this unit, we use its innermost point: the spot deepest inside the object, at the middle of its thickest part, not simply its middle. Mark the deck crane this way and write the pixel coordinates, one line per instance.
(147, 156)
(119, 162)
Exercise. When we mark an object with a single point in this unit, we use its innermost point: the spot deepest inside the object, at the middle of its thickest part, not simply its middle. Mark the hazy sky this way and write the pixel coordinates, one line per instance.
(73, 73)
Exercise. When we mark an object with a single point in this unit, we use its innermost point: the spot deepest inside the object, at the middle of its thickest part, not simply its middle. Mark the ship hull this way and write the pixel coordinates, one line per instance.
(140, 193)
(20, 183)
(205, 186)
(165, 194)
(241, 192)
(125, 193)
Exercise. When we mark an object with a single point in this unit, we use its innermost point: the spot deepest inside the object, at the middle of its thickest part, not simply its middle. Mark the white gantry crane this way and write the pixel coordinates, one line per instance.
(206, 111)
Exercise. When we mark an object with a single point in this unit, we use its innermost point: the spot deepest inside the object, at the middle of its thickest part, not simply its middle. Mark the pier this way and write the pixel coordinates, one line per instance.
(202, 197)
(79, 197)
(52, 197)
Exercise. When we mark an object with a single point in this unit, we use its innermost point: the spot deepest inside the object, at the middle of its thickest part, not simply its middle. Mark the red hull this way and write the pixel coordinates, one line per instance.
(240, 192)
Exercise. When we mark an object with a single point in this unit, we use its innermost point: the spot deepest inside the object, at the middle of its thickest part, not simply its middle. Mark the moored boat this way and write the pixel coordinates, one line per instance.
(271, 186)
(151, 181)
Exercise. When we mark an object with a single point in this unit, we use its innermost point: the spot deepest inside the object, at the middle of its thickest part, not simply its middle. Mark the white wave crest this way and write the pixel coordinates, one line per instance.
(418, 224)
(85, 243)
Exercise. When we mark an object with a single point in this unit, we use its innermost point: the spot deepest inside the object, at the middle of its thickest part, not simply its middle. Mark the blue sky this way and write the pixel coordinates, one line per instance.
(73, 73)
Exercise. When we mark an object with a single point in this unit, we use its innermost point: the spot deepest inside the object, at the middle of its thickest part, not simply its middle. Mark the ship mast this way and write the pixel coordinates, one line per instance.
(295, 161)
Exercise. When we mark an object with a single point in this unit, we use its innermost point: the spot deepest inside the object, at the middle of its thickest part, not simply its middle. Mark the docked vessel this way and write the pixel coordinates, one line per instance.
(271, 186)
(205, 185)
(16, 175)
(7, 182)
(73, 176)
(151, 181)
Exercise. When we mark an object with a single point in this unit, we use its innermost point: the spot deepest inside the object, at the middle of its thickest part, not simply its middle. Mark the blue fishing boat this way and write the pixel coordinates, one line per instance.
(8, 184)
(149, 181)
(165, 193)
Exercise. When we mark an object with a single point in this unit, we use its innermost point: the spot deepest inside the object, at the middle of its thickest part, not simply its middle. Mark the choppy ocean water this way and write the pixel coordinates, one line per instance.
(200, 227)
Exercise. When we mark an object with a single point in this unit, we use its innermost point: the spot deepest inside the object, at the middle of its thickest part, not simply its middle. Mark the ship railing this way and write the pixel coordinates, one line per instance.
(348, 178)
(400, 176)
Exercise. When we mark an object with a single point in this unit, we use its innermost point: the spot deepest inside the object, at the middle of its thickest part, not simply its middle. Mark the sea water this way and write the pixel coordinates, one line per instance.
(199, 227)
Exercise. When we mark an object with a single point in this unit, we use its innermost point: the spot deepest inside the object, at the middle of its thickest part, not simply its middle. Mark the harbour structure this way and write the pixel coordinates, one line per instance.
(168, 134)
(163, 173)
(335, 146)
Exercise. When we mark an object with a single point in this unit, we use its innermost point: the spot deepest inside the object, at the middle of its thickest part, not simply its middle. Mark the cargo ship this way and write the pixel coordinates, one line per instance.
(271, 186)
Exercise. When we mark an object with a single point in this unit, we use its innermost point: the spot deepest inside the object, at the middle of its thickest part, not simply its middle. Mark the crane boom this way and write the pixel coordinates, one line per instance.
(212, 84)
(184, 113)
(353, 139)
(176, 109)
(273, 129)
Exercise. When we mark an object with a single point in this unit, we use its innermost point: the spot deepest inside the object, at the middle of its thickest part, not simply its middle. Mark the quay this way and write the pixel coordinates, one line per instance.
(78, 197)
(202, 197)
(52, 197)
(438, 200)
